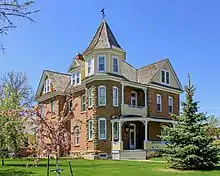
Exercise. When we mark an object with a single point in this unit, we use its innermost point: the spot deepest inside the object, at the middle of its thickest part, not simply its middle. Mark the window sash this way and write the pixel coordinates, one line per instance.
(83, 104)
(90, 135)
(75, 79)
(116, 131)
(70, 105)
(159, 103)
(163, 76)
(101, 65)
(89, 66)
(102, 128)
(76, 136)
(47, 86)
(133, 99)
(115, 65)
(115, 96)
(167, 77)
(170, 105)
(42, 112)
(102, 95)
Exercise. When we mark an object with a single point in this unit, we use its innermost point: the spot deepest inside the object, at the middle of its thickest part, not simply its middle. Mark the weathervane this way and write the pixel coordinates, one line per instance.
(103, 13)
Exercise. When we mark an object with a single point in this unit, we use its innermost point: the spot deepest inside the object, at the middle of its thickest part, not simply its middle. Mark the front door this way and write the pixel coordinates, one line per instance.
(132, 136)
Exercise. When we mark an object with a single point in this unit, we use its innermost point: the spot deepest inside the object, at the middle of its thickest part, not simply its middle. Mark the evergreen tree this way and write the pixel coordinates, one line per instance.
(188, 145)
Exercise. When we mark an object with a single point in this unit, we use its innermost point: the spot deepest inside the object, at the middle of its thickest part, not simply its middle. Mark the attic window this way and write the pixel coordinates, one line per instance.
(75, 79)
(47, 86)
(165, 77)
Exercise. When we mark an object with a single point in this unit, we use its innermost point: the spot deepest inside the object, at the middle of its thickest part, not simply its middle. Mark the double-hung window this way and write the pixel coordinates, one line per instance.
(76, 136)
(89, 66)
(102, 128)
(101, 64)
(42, 111)
(115, 96)
(53, 106)
(90, 135)
(170, 102)
(102, 95)
(159, 103)
(83, 103)
(90, 97)
(115, 64)
(165, 77)
(70, 105)
(75, 79)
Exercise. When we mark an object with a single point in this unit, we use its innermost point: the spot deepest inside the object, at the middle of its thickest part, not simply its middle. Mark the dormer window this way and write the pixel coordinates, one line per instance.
(115, 64)
(101, 64)
(75, 79)
(47, 86)
(165, 77)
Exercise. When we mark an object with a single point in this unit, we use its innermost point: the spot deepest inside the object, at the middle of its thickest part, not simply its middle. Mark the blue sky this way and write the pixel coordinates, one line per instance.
(185, 31)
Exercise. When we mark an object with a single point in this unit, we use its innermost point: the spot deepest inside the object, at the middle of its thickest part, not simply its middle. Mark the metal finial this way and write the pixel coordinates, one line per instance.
(103, 13)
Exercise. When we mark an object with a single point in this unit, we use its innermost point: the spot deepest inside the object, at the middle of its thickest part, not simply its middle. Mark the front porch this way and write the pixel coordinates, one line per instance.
(136, 134)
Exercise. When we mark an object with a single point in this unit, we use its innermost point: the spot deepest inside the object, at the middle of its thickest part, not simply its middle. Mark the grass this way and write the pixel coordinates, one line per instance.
(98, 168)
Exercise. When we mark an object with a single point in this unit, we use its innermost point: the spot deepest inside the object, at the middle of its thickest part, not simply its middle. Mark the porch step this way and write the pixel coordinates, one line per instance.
(133, 155)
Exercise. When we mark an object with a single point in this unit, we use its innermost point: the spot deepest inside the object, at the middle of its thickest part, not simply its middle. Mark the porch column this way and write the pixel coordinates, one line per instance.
(146, 130)
(122, 94)
(145, 97)
(119, 126)
(113, 131)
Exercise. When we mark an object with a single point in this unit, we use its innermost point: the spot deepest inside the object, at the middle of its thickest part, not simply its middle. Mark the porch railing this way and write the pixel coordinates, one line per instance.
(133, 110)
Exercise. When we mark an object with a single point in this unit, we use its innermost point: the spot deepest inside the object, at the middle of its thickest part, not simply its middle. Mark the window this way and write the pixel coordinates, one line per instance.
(170, 104)
(115, 96)
(75, 79)
(159, 103)
(115, 64)
(47, 86)
(76, 136)
(83, 103)
(116, 132)
(102, 128)
(101, 63)
(42, 111)
(53, 106)
(90, 97)
(165, 77)
(89, 66)
(133, 98)
(70, 105)
(90, 136)
(102, 95)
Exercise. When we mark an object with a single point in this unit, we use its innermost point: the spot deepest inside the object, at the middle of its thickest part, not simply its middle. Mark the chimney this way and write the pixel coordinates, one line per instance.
(79, 57)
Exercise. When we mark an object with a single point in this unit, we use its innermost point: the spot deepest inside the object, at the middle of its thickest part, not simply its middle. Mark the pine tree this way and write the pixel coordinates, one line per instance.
(188, 145)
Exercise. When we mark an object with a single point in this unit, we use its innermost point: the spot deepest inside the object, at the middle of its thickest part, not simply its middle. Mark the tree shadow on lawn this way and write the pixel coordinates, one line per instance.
(12, 172)
(217, 168)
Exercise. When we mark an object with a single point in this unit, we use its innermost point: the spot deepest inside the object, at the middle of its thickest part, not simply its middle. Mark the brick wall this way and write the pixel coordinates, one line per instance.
(152, 102)
(127, 95)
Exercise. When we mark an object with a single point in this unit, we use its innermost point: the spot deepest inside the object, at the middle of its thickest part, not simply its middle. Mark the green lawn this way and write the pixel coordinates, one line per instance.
(99, 168)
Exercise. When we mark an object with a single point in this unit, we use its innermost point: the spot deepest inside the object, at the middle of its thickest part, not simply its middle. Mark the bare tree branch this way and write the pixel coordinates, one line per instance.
(13, 8)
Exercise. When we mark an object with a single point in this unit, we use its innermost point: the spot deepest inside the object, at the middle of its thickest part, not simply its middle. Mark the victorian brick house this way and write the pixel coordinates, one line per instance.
(118, 110)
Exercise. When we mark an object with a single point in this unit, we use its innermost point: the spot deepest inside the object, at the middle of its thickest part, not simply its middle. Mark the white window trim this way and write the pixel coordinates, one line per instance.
(170, 98)
(115, 57)
(158, 95)
(75, 78)
(91, 71)
(134, 92)
(165, 78)
(42, 111)
(46, 85)
(90, 129)
(98, 63)
(116, 132)
(90, 105)
(100, 94)
(105, 128)
(114, 87)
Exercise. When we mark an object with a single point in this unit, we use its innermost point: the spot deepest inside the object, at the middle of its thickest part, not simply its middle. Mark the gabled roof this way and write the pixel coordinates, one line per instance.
(146, 74)
(103, 38)
(76, 63)
(58, 80)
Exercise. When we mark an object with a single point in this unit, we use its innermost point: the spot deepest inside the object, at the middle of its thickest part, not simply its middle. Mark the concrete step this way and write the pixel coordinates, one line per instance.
(133, 155)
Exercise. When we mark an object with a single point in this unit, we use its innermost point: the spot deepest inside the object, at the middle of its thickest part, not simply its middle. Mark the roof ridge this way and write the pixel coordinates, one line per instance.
(153, 63)
(57, 72)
